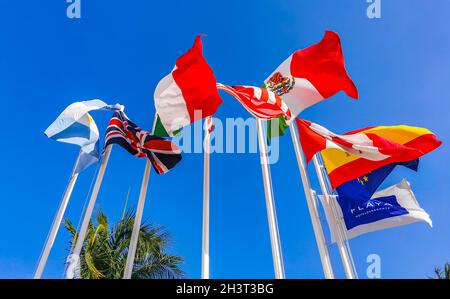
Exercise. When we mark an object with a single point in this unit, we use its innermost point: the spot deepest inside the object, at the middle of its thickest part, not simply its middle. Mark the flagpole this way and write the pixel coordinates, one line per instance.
(206, 208)
(137, 223)
(88, 214)
(128, 272)
(270, 205)
(57, 221)
(344, 252)
(312, 206)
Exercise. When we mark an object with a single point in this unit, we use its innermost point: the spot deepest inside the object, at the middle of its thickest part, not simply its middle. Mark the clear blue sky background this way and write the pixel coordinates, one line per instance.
(119, 51)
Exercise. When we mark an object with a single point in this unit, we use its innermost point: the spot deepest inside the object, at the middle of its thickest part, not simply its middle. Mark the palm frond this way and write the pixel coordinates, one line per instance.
(105, 250)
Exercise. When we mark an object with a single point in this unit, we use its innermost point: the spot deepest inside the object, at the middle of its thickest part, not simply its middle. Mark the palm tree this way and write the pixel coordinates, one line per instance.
(443, 273)
(105, 250)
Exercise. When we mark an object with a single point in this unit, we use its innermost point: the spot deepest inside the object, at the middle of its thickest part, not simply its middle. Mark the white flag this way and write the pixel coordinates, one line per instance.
(76, 126)
(391, 207)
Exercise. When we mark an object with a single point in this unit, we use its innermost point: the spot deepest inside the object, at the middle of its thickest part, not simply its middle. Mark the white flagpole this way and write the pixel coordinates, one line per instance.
(270, 205)
(312, 206)
(137, 223)
(206, 209)
(128, 272)
(57, 221)
(336, 224)
(88, 214)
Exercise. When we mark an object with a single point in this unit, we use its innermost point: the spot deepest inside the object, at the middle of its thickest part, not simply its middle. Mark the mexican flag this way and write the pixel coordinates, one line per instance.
(309, 76)
(187, 94)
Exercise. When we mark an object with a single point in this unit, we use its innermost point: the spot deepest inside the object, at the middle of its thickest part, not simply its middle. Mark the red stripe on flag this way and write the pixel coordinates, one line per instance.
(197, 82)
(311, 141)
(258, 107)
(323, 65)
(161, 145)
(116, 122)
(352, 170)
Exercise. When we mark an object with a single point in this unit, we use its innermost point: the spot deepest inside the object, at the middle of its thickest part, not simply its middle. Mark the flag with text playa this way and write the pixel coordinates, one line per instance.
(392, 207)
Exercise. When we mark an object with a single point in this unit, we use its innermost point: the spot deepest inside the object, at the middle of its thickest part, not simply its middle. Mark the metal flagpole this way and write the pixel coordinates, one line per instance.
(87, 215)
(270, 205)
(344, 252)
(57, 221)
(137, 223)
(128, 272)
(312, 206)
(206, 209)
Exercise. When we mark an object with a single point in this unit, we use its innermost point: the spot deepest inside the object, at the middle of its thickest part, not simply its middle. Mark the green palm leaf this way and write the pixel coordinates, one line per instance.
(105, 250)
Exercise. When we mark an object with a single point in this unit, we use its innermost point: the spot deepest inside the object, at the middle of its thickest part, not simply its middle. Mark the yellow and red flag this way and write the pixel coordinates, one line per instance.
(356, 153)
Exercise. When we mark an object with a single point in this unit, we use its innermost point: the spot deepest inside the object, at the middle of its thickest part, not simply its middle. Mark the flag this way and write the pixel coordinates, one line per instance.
(163, 154)
(359, 152)
(311, 75)
(189, 88)
(259, 102)
(363, 188)
(391, 207)
(209, 125)
(76, 126)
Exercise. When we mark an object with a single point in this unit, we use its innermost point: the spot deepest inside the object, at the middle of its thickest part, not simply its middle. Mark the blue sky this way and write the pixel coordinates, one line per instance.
(119, 50)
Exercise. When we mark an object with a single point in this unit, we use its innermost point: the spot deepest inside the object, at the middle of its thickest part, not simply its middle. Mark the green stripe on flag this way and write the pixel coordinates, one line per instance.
(276, 127)
(160, 131)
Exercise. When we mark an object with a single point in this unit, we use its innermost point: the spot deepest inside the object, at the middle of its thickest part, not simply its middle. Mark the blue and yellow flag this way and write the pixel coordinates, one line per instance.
(363, 188)
(76, 126)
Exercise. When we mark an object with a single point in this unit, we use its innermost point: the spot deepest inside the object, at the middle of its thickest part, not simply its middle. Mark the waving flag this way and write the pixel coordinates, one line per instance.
(359, 152)
(312, 75)
(363, 188)
(76, 126)
(391, 207)
(209, 124)
(190, 87)
(260, 102)
(163, 154)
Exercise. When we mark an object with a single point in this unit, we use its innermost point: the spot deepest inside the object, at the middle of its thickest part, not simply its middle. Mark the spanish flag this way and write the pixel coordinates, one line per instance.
(359, 152)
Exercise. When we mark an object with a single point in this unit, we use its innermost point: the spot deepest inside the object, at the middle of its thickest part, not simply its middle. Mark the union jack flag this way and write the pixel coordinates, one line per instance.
(163, 154)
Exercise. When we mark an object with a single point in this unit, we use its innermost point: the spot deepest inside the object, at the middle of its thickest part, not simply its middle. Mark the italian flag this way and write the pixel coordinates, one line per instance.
(187, 94)
(312, 75)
